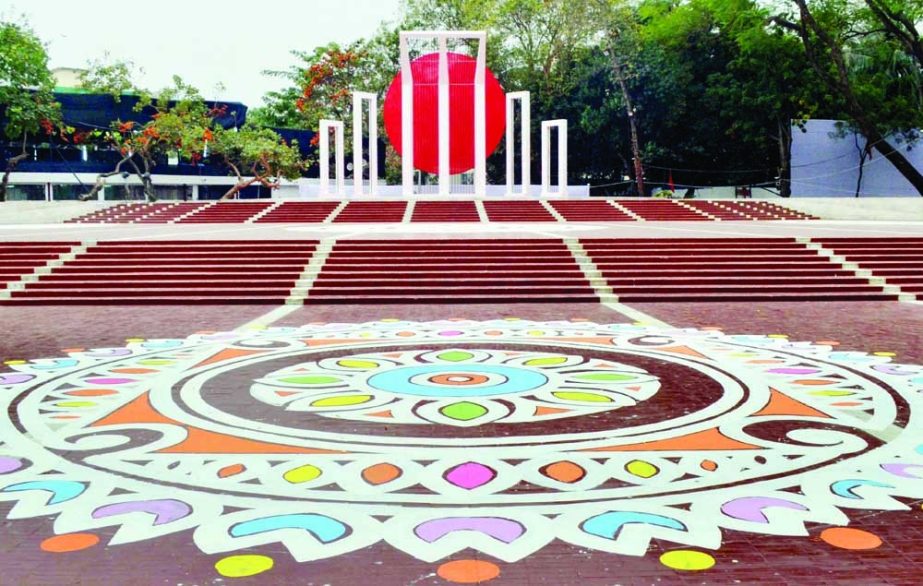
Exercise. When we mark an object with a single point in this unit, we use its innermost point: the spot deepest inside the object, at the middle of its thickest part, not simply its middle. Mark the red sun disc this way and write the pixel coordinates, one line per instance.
(461, 112)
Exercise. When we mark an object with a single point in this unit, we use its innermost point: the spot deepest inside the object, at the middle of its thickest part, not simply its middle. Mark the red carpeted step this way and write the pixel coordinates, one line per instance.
(151, 292)
(754, 297)
(589, 210)
(662, 211)
(175, 276)
(308, 212)
(718, 209)
(150, 300)
(372, 211)
(422, 298)
(229, 212)
(517, 211)
(445, 211)
(150, 283)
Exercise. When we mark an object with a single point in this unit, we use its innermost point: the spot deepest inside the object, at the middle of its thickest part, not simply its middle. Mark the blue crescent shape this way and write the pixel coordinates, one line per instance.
(325, 529)
(846, 488)
(608, 525)
(56, 364)
(61, 490)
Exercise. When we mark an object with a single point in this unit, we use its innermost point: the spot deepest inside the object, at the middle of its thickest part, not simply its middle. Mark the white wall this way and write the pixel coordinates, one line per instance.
(825, 164)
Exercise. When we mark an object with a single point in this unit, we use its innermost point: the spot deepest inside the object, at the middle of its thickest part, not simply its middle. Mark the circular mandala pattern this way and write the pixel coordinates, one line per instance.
(457, 387)
(442, 436)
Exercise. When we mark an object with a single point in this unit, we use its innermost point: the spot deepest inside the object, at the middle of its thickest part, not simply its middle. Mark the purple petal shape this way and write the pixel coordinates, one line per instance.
(8, 464)
(901, 470)
(751, 508)
(794, 370)
(503, 530)
(15, 379)
(110, 381)
(164, 511)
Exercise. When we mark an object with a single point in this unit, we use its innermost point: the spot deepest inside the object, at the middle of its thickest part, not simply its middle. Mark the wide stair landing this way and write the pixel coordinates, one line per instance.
(462, 271)
(896, 261)
(706, 269)
(19, 259)
(495, 210)
(451, 271)
(173, 272)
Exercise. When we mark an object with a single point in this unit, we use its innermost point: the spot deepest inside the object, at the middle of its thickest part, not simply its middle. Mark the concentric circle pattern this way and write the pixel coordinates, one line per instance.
(443, 436)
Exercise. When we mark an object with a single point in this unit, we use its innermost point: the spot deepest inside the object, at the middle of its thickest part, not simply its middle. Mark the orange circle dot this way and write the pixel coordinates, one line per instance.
(846, 538)
(468, 571)
(69, 542)
(458, 379)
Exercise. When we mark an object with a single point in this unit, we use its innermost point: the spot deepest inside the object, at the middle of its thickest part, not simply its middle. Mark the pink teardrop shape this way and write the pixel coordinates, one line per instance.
(470, 475)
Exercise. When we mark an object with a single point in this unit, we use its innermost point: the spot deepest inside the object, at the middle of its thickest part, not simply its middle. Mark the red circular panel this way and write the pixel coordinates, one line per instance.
(461, 112)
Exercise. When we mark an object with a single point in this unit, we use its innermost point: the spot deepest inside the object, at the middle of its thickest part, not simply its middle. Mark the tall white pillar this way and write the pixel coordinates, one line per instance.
(525, 130)
(480, 118)
(340, 169)
(358, 99)
(561, 126)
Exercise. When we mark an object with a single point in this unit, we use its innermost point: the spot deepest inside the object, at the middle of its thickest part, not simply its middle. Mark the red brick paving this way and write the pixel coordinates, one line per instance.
(742, 558)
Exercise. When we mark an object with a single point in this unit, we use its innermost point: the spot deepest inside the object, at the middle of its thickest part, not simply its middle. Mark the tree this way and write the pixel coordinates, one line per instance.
(256, 155)
(176, 121)
(900, 18)
(828, 35)
(26, 93)
(622, 46)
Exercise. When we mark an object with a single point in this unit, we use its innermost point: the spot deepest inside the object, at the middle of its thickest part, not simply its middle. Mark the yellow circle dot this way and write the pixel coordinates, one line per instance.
(134, 340)
(512, 319)
(390, 320)
(777, 336)
(687, 560)
(241, 566)
(886, 354)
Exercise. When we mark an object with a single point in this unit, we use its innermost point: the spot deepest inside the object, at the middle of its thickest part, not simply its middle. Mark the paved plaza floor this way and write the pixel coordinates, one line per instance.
(590, 443)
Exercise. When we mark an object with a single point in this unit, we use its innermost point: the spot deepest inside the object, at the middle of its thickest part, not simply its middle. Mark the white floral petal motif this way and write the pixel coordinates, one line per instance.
(463, 412)
(457, 386)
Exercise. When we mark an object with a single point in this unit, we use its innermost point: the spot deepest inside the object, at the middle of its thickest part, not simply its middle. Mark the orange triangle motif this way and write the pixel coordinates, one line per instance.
(198, 441)
(540, 411)
(228, 354)
(782, 404)
(710, 439)
(139, 410)
(685, 350)
(385, 414)
(201, 441)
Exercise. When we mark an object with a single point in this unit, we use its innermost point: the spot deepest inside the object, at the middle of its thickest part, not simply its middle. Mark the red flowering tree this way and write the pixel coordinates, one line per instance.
(27, 104)
(180, 123)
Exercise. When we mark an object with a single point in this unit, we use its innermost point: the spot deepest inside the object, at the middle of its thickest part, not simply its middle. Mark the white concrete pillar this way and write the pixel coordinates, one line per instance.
(358, 99)
(340, 169)
(525, 164)
(561, 125)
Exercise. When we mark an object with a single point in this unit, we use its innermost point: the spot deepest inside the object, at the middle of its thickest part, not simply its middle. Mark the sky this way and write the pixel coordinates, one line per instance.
(206, 42)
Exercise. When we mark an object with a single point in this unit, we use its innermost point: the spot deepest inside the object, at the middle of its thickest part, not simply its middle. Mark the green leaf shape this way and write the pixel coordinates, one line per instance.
(311, 380)
(582, 397)
(342, 401)
(548, 361)
(464, 411)
(455, 356)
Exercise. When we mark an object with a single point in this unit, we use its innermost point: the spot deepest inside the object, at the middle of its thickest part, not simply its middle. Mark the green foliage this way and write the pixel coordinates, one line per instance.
(258, 152)
(115, 78)
(26, 85)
